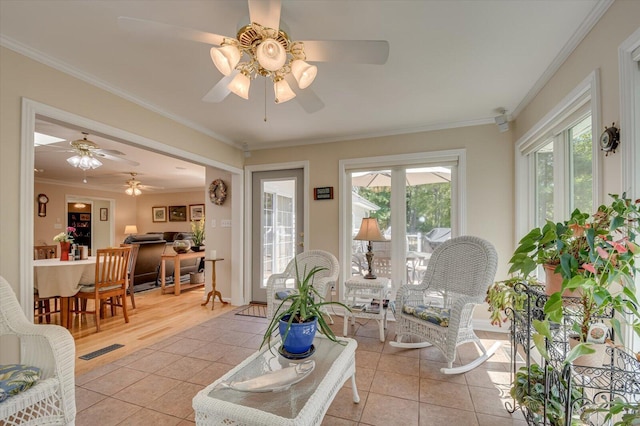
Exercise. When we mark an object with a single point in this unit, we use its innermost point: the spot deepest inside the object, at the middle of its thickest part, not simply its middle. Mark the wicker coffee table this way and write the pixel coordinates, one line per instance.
(304, 403)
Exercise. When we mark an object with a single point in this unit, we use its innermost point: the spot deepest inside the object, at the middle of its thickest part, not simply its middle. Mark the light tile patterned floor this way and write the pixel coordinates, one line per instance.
(155, 385)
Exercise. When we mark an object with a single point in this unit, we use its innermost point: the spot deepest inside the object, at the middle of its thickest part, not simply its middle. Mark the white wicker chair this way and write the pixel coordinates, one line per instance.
(322, 282)
(457, 278)
(51, 401)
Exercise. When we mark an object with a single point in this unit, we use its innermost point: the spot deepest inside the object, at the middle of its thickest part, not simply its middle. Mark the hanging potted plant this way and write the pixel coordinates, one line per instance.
(299, 316)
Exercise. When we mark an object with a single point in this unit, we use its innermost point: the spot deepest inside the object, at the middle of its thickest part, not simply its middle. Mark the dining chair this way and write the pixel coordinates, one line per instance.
(110, 284)
(135, 248)
(42, 305)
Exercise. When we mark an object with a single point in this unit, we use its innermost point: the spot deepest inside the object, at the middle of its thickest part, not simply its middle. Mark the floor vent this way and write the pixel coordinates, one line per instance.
(102, 351)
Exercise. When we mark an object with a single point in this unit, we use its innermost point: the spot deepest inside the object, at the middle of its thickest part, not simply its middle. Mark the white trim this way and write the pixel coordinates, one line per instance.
(588, 88)
(630, 136)
(32, 108)
(590, 21)
(458, 195)
(62, 66)
(248, 193)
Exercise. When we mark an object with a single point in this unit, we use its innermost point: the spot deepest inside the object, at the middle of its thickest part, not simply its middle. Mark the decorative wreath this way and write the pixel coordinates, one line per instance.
(218, 192)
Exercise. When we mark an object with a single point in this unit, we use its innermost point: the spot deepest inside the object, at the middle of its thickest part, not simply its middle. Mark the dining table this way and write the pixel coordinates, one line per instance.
(56, 278)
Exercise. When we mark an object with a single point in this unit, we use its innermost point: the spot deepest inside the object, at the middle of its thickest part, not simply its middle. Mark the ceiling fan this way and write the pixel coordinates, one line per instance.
(263, 49)
(135, 187)
(86, 152)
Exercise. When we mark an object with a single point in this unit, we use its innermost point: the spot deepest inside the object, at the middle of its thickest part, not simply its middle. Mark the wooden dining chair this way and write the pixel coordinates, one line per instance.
(135, 248)
(110, 285)
(42, 305)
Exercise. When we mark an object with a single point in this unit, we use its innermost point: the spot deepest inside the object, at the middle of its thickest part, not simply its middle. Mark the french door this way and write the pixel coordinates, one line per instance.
(277, 225)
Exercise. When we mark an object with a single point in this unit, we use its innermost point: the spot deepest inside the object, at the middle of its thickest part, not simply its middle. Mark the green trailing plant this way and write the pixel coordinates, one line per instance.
(304, 305)
(502, 296)
(528, 390)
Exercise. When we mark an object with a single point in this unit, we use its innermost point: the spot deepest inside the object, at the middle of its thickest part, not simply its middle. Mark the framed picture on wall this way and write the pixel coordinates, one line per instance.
(104, 214)
(196, 211)
(177, 213)
(159, 214)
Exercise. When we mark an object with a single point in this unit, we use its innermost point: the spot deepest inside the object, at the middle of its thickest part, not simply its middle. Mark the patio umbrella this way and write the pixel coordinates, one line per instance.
(417, 176)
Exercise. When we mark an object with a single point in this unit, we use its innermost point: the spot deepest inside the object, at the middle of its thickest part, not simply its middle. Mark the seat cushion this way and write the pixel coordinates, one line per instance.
(433, 314)
(16, 378)
(283, 294)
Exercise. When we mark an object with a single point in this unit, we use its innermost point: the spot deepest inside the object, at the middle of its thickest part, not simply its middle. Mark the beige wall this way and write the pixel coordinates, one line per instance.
(599, 50)
(489, 178)
(22, 77)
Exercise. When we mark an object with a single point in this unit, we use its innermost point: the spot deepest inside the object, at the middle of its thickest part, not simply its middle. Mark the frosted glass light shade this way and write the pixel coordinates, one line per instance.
(240, 85)
(283, 91)
(303, 73)
(84, 162)
(133, 191)
(225, 58)
(271, 55)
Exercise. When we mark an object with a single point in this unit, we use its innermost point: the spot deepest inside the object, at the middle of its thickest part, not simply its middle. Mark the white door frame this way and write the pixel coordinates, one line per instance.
(248, 193)
(32, 108)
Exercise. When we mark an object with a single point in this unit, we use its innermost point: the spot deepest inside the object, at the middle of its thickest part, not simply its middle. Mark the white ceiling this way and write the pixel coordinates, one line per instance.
(451, 63)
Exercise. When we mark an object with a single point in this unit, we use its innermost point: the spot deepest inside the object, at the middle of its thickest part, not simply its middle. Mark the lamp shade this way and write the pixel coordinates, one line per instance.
(271, 55)
(131, 229)
(303, 73)
(133, 191)
(283, 91)
(240, 85)
(369, 230)
(225, 58)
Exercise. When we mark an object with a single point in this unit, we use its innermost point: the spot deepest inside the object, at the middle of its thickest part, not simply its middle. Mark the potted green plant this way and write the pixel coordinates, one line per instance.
(529, 391)
(502, 297)
(595, 256)
(197, 229)
(301, 308)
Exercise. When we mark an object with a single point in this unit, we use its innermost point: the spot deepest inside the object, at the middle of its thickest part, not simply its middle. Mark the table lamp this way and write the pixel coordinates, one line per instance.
(369, 231)
(131, 229)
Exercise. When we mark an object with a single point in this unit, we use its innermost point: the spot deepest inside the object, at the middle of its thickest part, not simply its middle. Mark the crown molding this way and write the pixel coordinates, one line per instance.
(587, 25)
(61, 66)
(393, 132)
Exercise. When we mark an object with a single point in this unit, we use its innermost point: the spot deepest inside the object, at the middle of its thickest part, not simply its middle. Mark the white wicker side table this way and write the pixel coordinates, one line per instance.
(304, 403)
(357, 289)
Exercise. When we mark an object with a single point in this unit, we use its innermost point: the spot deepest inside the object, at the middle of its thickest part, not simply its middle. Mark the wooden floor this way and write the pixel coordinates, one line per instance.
(156, 317)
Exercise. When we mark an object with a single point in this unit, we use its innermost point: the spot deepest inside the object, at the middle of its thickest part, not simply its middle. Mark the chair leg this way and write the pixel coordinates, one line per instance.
(133, 299)
(124, 307)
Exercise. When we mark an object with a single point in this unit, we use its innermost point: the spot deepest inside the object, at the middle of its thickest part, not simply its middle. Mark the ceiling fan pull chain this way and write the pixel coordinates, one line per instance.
(265, 100)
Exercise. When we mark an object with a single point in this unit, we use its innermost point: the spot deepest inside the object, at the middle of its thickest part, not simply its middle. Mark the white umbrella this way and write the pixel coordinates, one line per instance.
(418, 176)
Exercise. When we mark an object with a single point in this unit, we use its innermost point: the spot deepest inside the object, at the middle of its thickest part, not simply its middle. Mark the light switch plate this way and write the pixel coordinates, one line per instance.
(225, 223)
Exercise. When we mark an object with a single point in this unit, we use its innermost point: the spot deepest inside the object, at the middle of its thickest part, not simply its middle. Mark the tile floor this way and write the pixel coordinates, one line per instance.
(155, 385)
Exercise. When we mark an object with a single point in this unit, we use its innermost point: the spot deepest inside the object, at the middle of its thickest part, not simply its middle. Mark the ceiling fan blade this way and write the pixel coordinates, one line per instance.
(307, 98)
(109, 151)
(115, 158)
(265, 12)
(166, 30)
(220, 91)
(374, 52)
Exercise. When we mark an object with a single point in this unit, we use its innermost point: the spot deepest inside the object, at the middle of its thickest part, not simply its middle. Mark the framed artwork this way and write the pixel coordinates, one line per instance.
(177, 213)
(104, 214)
(196, 211)
(159, 214)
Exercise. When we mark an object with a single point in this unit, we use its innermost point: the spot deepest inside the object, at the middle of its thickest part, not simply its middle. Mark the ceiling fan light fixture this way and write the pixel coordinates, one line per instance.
(225, 58)
(84, 162)
(240, 85)
(133, 191)
(303, 72)
(271, 55)
(283, 91)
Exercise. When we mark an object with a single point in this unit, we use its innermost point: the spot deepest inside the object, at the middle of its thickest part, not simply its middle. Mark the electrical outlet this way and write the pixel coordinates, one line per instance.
(213, 223)
(57, 226)
(225, 223)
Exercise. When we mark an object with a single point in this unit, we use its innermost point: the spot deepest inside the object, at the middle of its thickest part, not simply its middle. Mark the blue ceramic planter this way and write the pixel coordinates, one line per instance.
(300, 335)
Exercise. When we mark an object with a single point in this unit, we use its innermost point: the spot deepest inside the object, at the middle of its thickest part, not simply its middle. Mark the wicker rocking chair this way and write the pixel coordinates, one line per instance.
(439, 310)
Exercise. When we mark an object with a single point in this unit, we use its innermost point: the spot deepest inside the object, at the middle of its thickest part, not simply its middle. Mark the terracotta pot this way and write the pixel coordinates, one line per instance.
(591, 360)
(553, 282)
(64, 250)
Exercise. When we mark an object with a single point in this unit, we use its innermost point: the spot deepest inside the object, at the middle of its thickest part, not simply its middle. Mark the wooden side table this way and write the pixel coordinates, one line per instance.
(213, 291)
(176, 258)
(358, 289)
